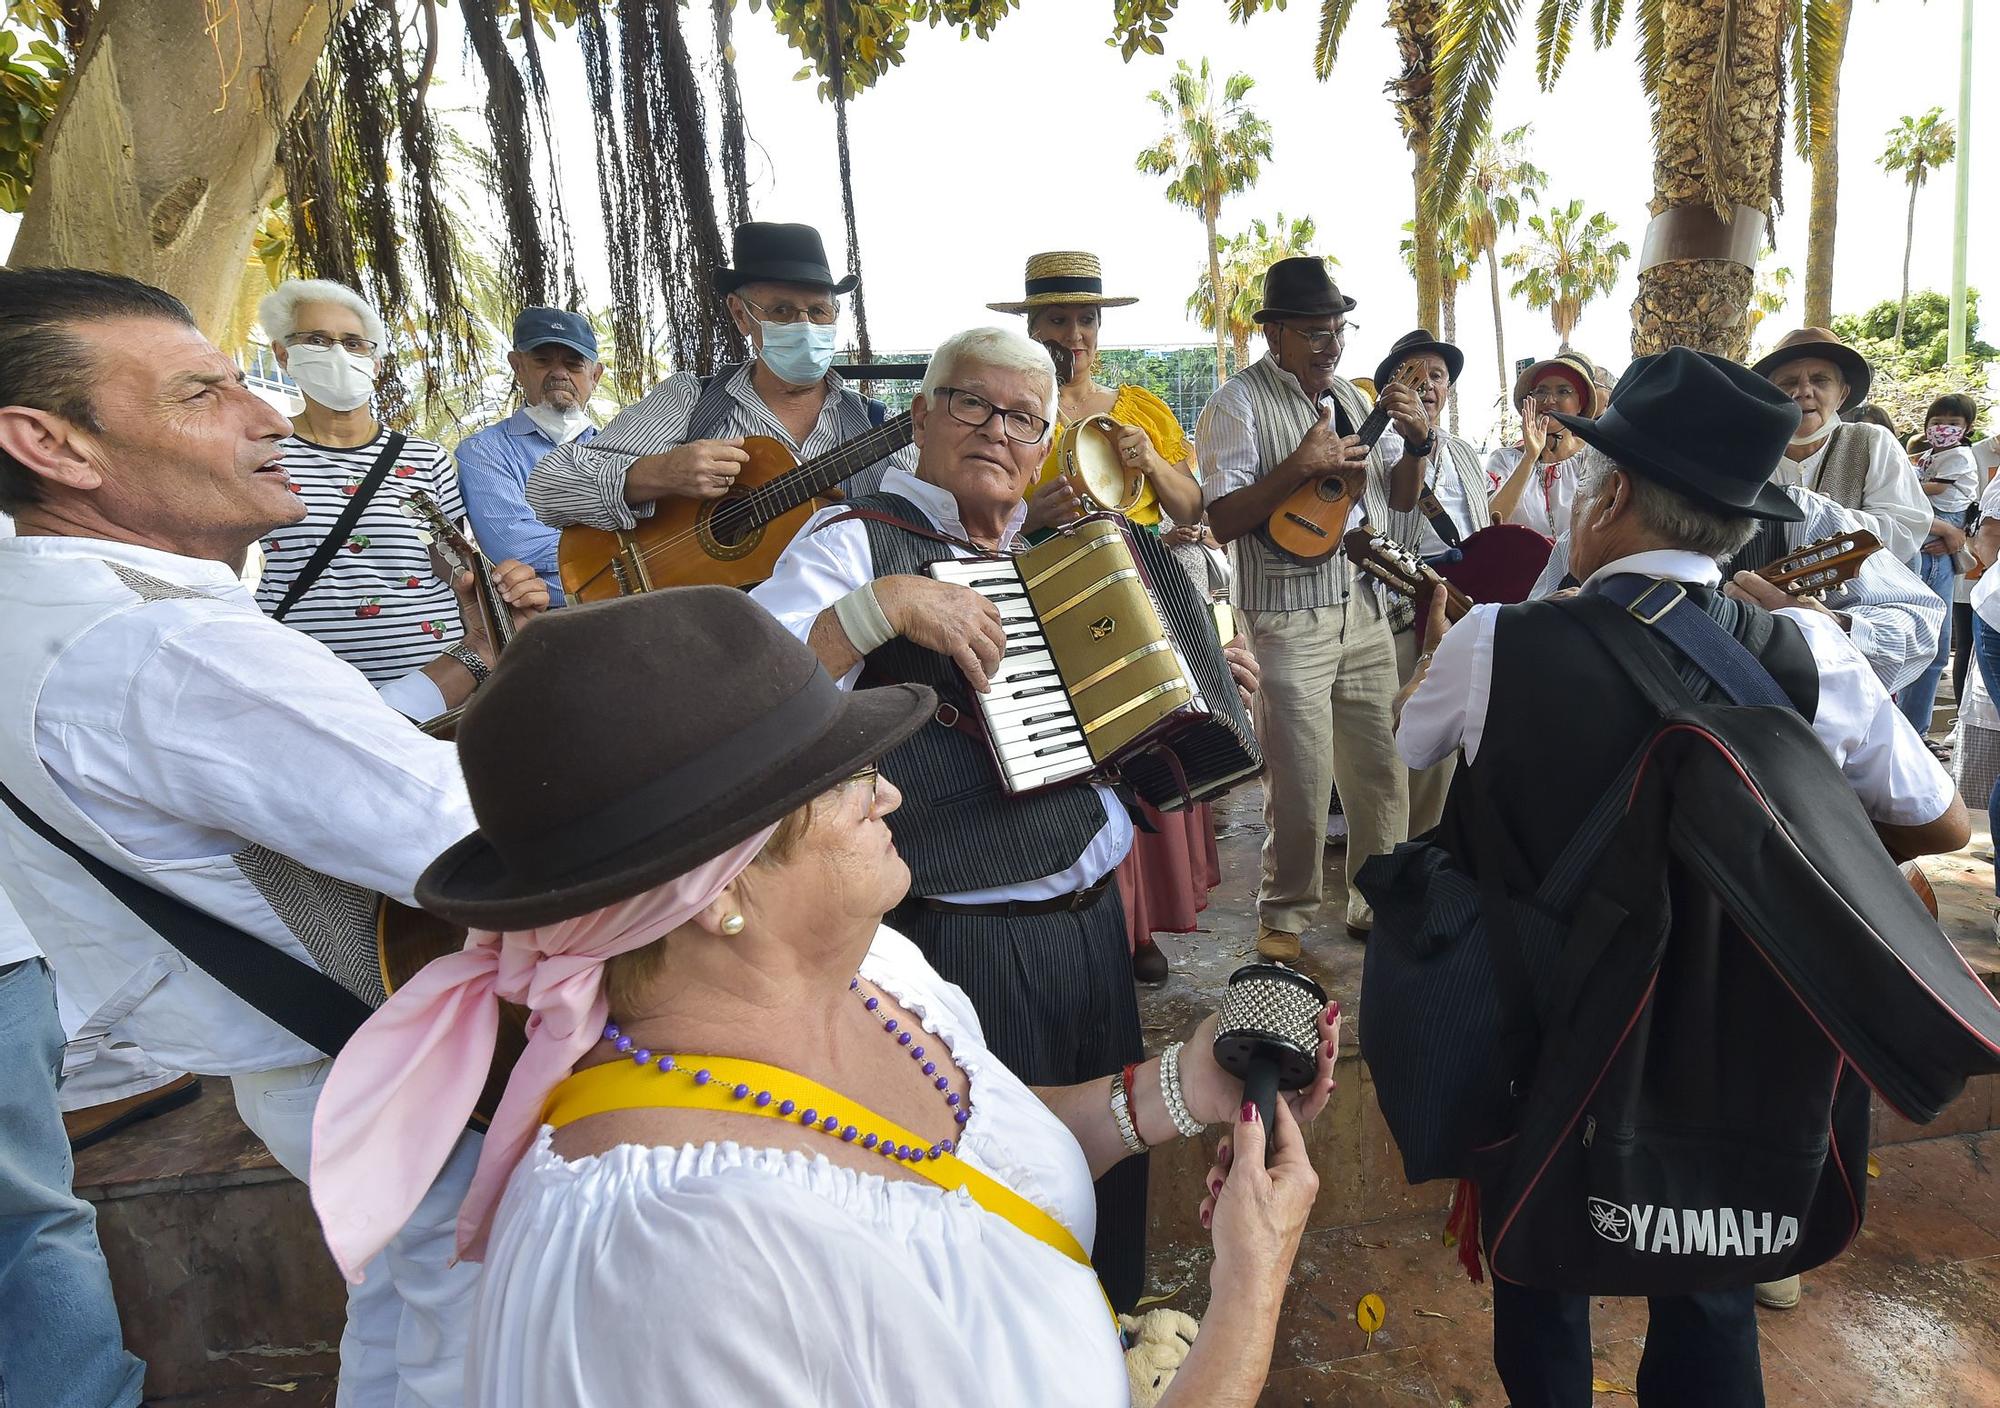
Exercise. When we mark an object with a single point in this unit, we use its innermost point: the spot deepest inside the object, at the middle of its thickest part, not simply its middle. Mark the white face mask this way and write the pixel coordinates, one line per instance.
(333, 376)
(560, 426)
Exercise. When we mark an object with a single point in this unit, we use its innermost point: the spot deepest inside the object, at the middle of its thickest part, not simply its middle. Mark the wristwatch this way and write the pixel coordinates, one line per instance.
(1419, 451)
(475, 664)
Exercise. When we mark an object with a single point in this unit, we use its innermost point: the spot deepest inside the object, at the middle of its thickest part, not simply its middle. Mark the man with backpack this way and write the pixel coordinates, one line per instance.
(1562, 688)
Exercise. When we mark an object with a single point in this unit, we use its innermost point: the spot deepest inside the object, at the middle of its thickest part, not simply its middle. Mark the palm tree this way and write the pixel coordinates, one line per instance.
(1499, 179)
(1455, 259)
(1818, 45)
(1211, 150)
(1772, 294)
(1917, 146)
(1243, 259)
(1571, 260)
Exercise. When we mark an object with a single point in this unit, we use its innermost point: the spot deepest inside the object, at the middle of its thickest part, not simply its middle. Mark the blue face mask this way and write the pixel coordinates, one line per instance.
(800, 352)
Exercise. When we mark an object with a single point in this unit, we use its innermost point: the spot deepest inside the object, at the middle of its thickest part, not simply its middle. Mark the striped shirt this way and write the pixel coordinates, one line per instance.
(584, 482)
(380, 604)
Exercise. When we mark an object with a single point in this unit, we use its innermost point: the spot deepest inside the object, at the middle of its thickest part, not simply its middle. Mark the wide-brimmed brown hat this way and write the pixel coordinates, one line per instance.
(1821, 342)
(1416, 344)
(1301, 287)
(1573, 365)
(622, 744)
(1063, 276)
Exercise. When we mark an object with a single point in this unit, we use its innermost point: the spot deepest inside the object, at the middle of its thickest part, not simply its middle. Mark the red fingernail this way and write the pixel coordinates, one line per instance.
(1249, 1113)
(1215, 1186)
(1330, 1050)
(1204, 1217)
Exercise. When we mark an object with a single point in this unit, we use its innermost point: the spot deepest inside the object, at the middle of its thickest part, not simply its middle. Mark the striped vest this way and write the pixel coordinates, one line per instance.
(1843, 474)
(1462, 460)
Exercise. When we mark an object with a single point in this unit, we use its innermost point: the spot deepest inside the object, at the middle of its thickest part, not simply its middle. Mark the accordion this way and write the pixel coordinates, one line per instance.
(1112, 669)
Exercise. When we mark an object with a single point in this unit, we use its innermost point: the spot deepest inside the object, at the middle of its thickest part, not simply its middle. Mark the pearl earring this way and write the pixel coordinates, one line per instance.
(733, 924)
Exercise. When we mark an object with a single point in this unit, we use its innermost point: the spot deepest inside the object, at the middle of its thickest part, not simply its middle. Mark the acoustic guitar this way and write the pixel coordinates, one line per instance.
(733, 541)
(1307, 526)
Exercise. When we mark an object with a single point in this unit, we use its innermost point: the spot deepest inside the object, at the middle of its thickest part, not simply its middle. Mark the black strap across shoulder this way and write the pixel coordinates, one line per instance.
(342, 526)
(299, 998)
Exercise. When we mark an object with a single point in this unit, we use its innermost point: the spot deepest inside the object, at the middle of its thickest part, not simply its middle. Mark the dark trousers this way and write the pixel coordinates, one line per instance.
(1701, 1350)
(1961, 649)
(1055, 1000)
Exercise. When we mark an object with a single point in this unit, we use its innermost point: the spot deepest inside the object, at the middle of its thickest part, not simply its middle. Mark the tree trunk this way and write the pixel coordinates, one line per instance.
(1415, 24)
(837, 63)
(1909, 239)
(141, 174)
(1451, 336)
(1825, 212)
(1208, 214)
(1239, 343)
(1702, 303)
(1500, 347)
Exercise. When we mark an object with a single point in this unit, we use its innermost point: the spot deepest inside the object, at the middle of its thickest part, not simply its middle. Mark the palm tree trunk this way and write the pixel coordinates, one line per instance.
(1825, 196)
(1701, 159)
(838, 65)
(1208, 214)
(1239, 340)
(1415, 23)
(1500, 345)
(1909, 239)
(1451, 336)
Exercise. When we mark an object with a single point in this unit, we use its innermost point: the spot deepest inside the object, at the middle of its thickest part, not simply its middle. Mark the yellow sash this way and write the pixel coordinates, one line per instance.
(621, 1085)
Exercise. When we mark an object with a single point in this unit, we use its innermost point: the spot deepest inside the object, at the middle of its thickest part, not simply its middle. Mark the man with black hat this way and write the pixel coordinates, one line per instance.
(1857, 465)
(1322, 635)
(555, 364)
(1682, 479)
(685, 438)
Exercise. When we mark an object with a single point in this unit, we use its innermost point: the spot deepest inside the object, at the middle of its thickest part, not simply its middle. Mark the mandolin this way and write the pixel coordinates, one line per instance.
(458, 555)
(1307, 526)
(733, 541)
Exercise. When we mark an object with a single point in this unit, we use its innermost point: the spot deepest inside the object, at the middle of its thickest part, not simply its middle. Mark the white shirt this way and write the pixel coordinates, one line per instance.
(823, 565)
(1957, 466)
(1986, 591)
(1551, 494)
(1442, 479)
(1986, 454)
(16, 943)
(1893, 506)
(1882, 757)
(734, 1274)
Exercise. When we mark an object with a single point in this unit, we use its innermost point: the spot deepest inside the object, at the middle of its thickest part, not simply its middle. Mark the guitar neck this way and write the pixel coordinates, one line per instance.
(1371, 428)
(808, 481)
(499, 620)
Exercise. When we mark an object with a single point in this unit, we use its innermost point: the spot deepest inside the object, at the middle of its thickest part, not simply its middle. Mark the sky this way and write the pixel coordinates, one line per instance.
(973, 155)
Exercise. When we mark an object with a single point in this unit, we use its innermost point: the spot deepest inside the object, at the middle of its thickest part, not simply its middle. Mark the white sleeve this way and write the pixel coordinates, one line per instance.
(1225, 442)
(1448, 710)
(1551, 580)
(1893, 504)
(1895, 617)
(414, 696)
(584, 480)
(820, 566)
(1876, 749)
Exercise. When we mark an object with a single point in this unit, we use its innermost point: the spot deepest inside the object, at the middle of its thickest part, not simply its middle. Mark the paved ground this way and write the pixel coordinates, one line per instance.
(1909, 1317)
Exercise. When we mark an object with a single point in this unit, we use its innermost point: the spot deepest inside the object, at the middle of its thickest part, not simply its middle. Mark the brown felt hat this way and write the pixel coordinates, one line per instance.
(1822, 343)
(621, 744)
(1301, 287)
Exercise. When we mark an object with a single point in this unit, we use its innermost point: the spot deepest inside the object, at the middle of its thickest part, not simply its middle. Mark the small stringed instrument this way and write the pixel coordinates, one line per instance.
(458, 555)
(733, 541)
(1306, 527)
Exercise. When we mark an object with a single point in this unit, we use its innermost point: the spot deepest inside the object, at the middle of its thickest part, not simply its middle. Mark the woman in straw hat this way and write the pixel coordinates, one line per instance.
(1166, 879)
(755, 1150)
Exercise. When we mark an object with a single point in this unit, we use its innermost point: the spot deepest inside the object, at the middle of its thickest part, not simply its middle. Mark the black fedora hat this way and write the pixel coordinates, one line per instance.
(1413, 344)
(1703, 426)
(1300, 287)
(785, 254)
(622, 744)
(1824, 343)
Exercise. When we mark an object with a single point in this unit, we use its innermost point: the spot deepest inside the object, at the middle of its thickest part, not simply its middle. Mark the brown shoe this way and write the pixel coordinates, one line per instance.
(1149, 965)
(99, 1122)
(1277, 945)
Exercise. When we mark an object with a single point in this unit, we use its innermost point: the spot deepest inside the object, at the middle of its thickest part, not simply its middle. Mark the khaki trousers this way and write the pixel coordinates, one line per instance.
(1428, 786)
(1322, 716)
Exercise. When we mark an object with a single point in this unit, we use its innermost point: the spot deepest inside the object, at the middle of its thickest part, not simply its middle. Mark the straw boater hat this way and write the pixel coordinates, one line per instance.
(1572, 365)
(1820, 342)
(1062, 276)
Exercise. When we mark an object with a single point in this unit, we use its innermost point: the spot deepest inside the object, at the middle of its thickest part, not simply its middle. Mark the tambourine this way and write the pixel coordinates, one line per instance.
(1093, 469)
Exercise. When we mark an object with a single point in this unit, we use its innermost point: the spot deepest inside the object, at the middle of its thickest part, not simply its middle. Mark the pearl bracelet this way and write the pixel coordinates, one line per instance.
(1170, 1089)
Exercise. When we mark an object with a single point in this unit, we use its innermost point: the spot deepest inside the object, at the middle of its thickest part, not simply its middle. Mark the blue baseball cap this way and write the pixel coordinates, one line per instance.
(537, 327)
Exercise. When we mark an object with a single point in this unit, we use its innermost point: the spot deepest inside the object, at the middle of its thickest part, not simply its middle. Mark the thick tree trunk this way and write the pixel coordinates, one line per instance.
(1701, 303)
(1415, 24)
(1909, 242)
(1239, 343)
(1825, 214)
(1450, 334)
(1208, 215)
(1424, 239)
(159, 162)
(1500, 347)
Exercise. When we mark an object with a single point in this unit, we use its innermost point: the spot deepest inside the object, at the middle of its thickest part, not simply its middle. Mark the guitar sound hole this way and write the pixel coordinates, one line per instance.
(1331, 489)
(729, 525)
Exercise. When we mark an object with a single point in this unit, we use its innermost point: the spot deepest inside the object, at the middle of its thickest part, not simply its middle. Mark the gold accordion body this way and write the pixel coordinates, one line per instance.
(1112, 669)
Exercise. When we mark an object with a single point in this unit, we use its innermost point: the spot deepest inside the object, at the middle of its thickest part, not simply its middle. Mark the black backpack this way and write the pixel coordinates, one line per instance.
(1653, 1073)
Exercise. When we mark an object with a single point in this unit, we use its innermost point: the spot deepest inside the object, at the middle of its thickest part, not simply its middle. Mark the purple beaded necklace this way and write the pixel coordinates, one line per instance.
(811, 1118)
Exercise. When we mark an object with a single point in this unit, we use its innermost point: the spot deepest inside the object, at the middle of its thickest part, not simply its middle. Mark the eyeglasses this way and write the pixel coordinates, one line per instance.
(1319, 339)
(359, 346)
(869, 777)
(968, 409)
(820, 313)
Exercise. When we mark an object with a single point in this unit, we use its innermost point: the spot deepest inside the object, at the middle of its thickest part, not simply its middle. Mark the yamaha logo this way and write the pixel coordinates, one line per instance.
(1610, 1221)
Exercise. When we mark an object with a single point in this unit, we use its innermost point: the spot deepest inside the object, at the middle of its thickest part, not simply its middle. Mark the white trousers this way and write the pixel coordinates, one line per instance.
(404, 1345)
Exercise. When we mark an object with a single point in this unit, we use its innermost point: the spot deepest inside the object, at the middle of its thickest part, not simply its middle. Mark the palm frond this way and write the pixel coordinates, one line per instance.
(1554, 29)
(1333, 18)
(1474, 37)
(1651, 17)
(1604, 18)
(1818, 44)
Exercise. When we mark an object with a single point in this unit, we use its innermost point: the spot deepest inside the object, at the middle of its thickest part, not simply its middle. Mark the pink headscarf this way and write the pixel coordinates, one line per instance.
(401, 1091)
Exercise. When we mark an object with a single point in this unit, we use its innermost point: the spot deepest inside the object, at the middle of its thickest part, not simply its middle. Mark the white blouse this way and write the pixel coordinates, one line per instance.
(728, 1274)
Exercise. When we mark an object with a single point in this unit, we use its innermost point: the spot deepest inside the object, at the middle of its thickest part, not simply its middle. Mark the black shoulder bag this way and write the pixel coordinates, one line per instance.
(349, 516)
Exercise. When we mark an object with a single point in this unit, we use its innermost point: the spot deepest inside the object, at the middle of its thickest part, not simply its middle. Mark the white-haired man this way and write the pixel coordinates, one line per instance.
(355, 573)
(1011, 897)
(685, 438)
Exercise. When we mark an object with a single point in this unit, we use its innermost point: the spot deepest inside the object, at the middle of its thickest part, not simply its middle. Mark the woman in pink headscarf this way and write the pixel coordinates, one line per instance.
(755, 1150)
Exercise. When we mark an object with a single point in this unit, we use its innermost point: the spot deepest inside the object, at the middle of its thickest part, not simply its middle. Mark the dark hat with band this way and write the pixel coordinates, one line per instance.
(1705, 427)
(1063, 276)
(1301, 287)
(622, 744)
(1417, 344)
(762, 252)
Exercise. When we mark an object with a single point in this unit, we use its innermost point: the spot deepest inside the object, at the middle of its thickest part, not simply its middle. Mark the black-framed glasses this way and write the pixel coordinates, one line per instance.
(967, 408)
(359, 346)
(818, 313)
(1319, 339)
